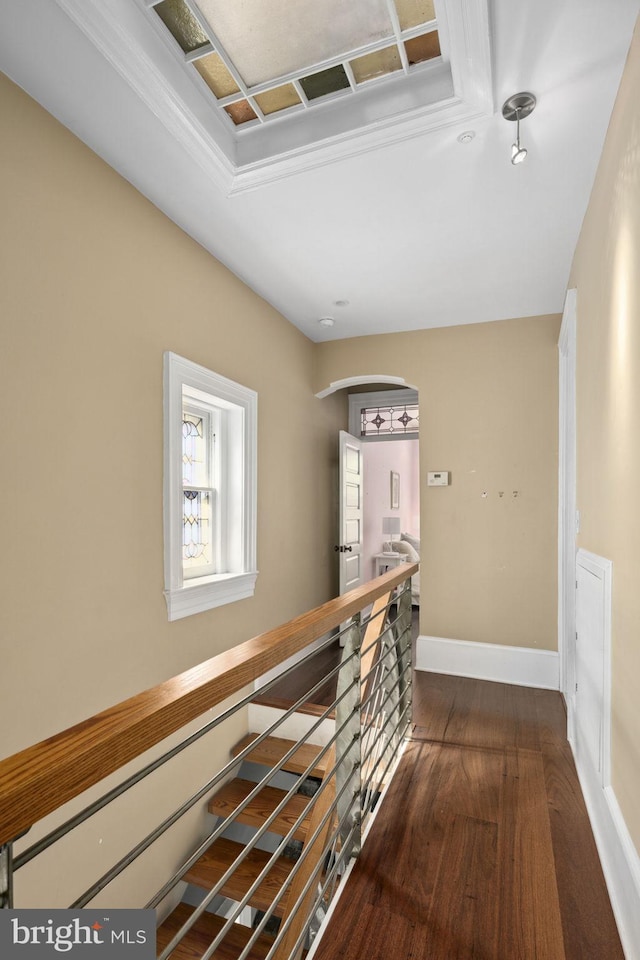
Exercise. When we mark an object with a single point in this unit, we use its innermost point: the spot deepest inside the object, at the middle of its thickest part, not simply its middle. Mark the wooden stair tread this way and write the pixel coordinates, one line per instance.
(203, 932)
(219, 857)
(271, 751)
(285, 703)
(261, 807)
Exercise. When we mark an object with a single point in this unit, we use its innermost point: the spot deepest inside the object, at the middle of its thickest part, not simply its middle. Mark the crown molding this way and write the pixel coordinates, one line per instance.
(120, 31)
(383, 133)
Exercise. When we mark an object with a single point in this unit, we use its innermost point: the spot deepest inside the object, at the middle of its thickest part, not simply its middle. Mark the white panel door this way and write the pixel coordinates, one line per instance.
(349, 546)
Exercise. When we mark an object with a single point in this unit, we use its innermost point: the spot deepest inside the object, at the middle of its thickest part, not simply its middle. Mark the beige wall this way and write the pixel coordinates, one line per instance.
(606, 273)
(488, 414)
(96, 284)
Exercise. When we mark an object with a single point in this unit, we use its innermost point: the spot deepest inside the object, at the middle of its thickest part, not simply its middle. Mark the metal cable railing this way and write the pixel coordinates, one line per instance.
(89, 894)
(355, 741)
(257, 836)
(144, 772)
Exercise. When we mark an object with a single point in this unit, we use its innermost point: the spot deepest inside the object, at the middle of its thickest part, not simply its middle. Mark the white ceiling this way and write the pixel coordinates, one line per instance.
(416, 233)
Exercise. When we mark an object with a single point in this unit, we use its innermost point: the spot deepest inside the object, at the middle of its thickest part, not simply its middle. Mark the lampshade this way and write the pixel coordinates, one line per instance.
(391, 525)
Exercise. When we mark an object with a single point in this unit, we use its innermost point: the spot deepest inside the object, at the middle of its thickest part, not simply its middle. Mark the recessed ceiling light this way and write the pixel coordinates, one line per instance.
(341, 303)
(467, 136)
(326, 321)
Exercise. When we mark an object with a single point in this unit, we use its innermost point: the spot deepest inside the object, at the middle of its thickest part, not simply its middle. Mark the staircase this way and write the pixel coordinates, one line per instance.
(223, 852)
(308, 844)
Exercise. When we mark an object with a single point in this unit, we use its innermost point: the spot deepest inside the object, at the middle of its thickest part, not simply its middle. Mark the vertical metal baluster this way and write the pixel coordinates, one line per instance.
(387, 741)
(357, 748)
(6, 876)
(406, 646)
(348, 742)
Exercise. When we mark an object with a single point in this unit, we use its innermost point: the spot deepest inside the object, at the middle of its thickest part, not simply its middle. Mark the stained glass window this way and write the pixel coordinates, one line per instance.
(196, 541)
(194, 449)
(197, 492)
(389, 421)
(210, 484)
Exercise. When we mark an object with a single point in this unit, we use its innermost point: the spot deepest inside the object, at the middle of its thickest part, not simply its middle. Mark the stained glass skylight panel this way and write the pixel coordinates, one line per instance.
(180, 21)
(241, 111)
(264, 59)
(267, 39)
(376, 64)
(279, 98)
(422, 48)
(216, 75)
(412, 13)
(325, 82)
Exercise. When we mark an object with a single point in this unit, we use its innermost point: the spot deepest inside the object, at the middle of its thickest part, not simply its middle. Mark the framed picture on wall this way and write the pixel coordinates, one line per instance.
(395, 490)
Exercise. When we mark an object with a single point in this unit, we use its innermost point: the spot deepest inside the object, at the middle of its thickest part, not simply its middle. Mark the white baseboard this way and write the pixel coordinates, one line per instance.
(523, 666)
(618, 855)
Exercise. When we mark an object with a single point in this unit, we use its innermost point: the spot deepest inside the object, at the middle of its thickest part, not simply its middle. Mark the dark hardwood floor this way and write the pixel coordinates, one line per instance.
(482, 849)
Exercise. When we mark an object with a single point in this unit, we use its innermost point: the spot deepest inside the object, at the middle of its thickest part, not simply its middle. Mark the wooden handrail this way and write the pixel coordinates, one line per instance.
(38, 780)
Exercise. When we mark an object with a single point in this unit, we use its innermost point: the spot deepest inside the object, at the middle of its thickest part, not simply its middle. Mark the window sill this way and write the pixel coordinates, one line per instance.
(209, 592)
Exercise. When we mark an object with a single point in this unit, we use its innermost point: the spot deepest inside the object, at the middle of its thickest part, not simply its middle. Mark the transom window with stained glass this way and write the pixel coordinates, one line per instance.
(262, 59)
(398, 420)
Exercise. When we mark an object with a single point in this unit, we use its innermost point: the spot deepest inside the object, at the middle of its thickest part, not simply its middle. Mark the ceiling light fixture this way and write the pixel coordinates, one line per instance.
(517, 107)
(326, 321)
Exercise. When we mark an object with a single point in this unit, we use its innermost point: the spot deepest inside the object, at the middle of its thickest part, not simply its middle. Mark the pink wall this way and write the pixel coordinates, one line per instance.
(380, 458)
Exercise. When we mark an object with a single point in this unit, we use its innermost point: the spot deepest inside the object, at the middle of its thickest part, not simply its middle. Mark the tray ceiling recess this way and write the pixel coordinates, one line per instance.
(266, 88)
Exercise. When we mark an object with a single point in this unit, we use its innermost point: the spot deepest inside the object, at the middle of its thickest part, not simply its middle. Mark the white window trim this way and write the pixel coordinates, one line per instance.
(186, 596)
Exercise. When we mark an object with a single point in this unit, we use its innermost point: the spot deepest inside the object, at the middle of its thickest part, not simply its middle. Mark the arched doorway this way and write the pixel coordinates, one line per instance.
(378, 488)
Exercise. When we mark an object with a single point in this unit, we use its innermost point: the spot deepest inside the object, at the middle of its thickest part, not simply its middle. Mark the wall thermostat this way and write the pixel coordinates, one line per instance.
(439, 479)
